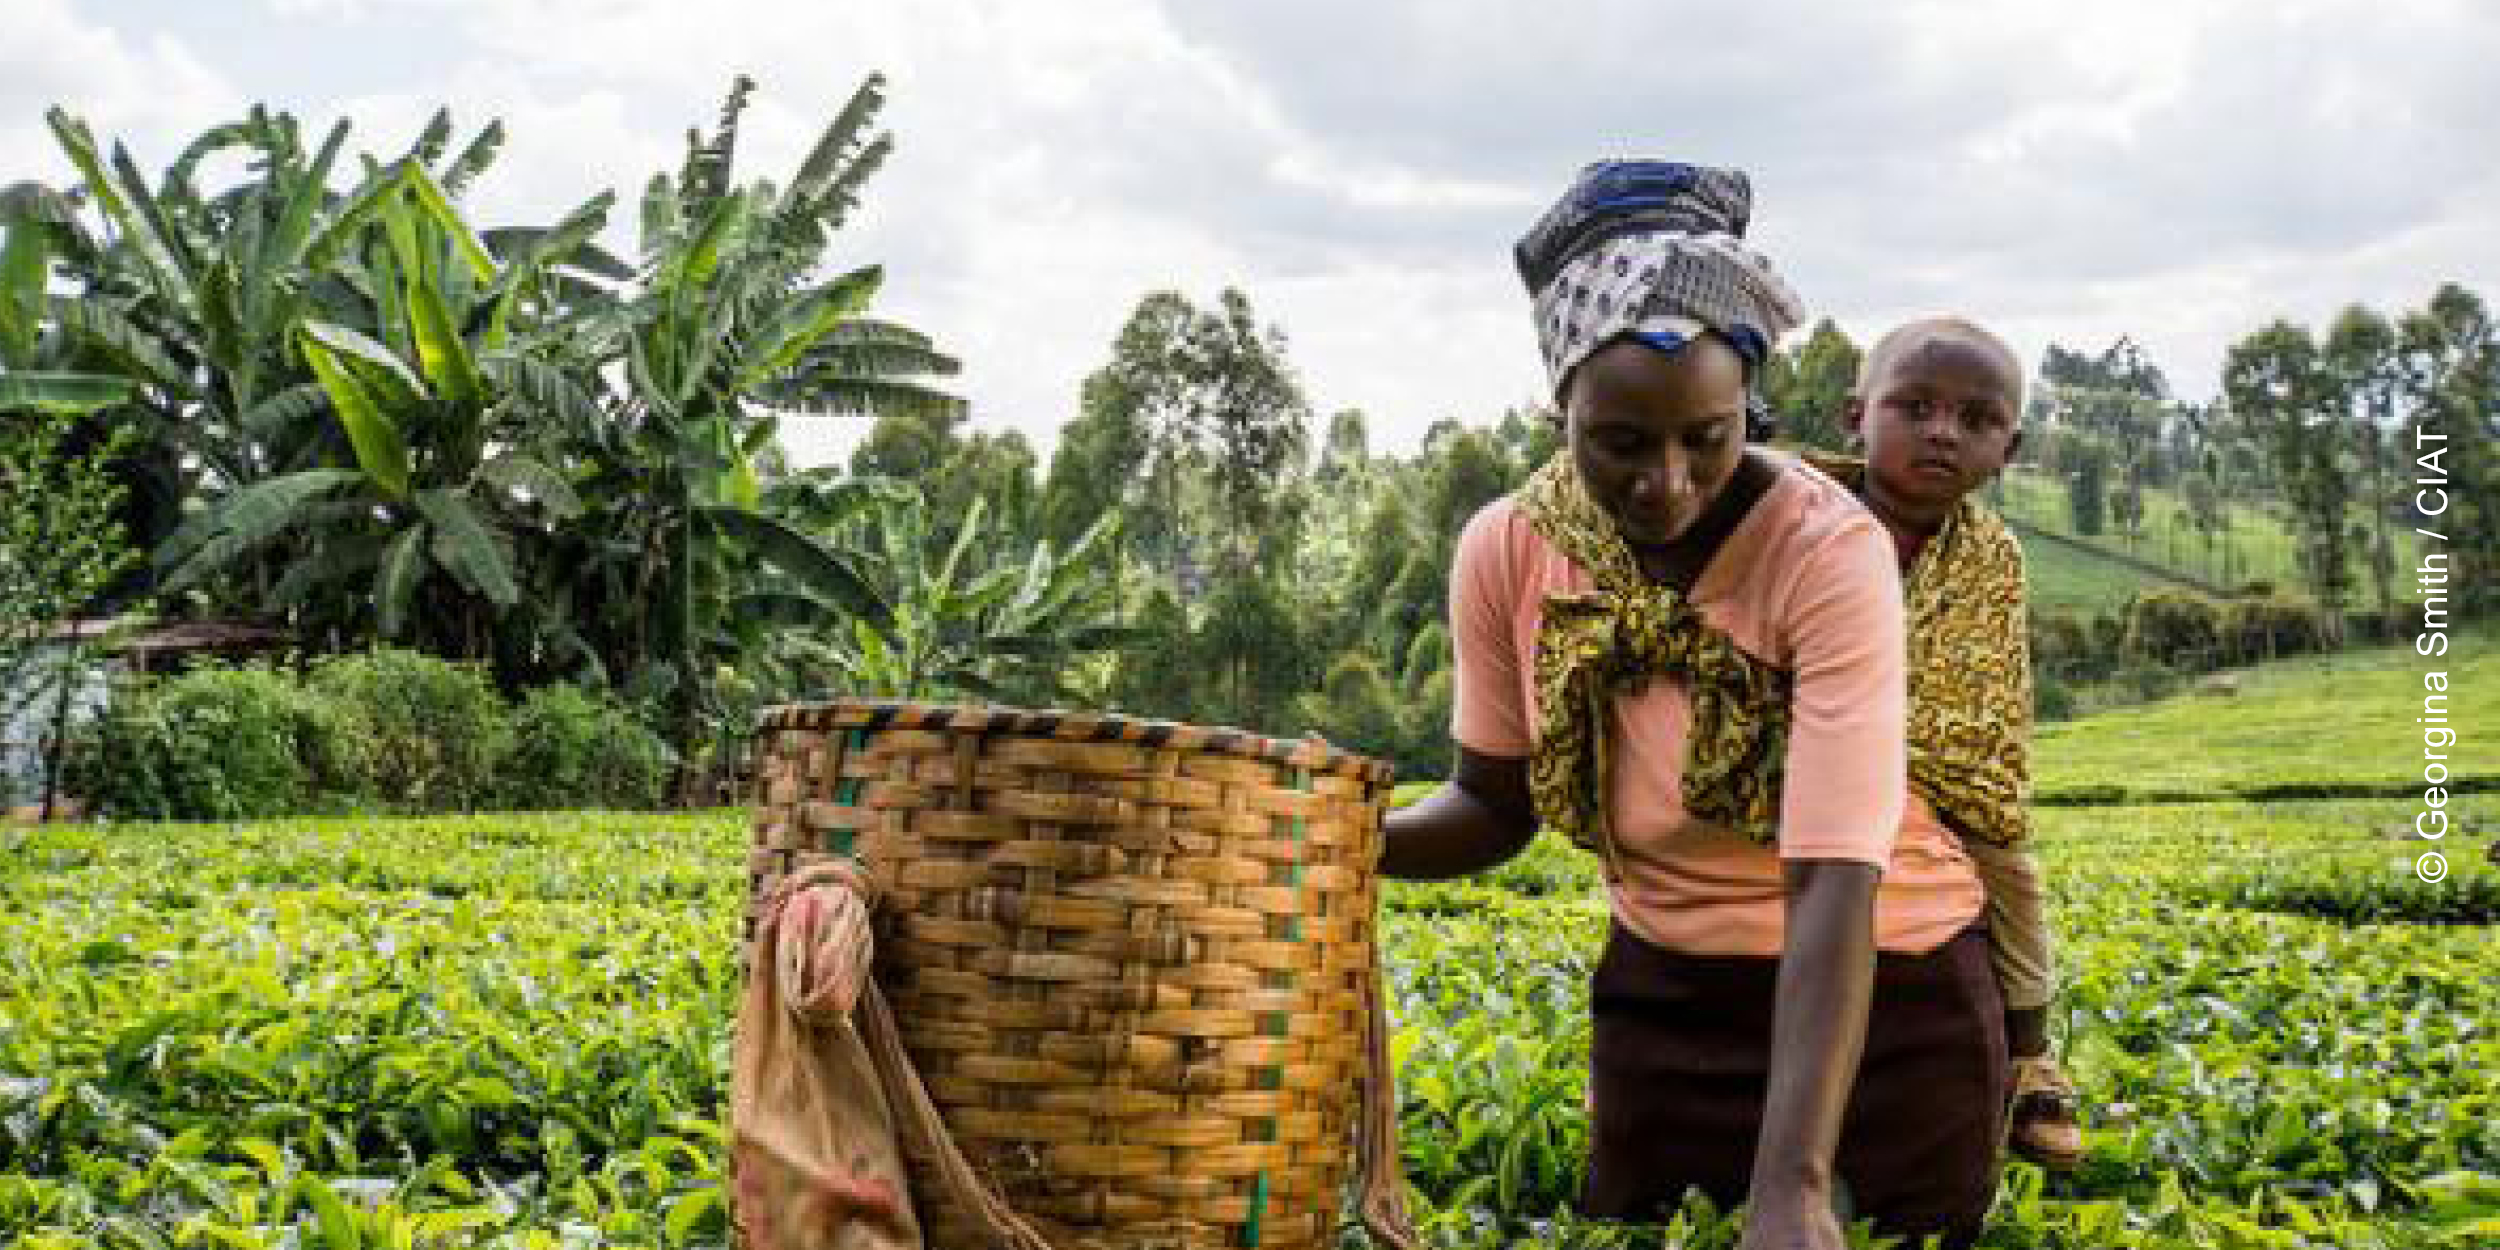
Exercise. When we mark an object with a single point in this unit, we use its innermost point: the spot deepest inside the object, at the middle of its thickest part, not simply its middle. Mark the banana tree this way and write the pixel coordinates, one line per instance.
(727, 327)
(450, 470)
(989, 617)
(195, 296)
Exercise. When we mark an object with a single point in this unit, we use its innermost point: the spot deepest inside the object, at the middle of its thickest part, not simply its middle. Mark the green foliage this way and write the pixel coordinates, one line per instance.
(382, 731)
(470, 1030)
(402, 1032)
(430, 733)
(216, 743)
(985, 616)
(2175, 627)
(355, 414)
(1808, 386)
(61, 546)
(572, 747)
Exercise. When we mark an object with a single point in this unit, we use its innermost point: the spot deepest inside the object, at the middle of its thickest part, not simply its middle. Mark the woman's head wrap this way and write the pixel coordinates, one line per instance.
(1653, 250)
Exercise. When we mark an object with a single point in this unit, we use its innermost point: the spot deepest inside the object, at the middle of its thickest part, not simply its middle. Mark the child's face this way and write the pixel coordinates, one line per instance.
(1656, 435)
(1939, 422)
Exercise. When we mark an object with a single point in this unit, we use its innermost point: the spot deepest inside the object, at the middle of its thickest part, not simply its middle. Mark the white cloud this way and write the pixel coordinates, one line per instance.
(148, 89)
(2179, 172)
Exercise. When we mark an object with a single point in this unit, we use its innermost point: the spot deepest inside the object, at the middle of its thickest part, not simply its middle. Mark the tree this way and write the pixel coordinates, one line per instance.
(2449, 362)
(996, 469)
(2360, 352)
(1204, 401)
(1345, 458)
(727, 326)
(906, 445)
(59, 549)
(2122, 366)
(1145, 407)
(2087, 482)
(443, 469)
(1258, 431)
(194, 297)
(1807, 387)
(2279, 381)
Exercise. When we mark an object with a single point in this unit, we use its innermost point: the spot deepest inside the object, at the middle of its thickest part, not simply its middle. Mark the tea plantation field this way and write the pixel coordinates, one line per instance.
(512, 1030)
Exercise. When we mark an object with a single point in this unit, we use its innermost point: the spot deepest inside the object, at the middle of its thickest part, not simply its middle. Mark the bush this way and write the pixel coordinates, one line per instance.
(2176, 627)
(2109, 639)
(213, 744)
(2059, 640)
(429, 733)
(2051, 698)
(2272, 625)
(572, 748)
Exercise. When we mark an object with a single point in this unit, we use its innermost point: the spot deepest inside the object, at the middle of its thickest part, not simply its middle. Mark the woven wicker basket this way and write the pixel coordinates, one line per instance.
(1132, 960)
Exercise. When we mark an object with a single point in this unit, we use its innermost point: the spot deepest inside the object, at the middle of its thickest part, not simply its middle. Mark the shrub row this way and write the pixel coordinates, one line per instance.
(383, 731)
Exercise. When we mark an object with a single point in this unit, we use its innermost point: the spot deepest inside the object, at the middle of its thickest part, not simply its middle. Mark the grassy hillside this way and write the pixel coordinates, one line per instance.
(2079, 583)
(2338, 724)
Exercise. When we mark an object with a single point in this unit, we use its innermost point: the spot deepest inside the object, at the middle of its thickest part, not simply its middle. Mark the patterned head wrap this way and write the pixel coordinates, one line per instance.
(1653, 250)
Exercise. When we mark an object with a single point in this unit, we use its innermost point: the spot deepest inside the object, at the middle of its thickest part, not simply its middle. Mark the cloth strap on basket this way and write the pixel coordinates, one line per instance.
(810, 989)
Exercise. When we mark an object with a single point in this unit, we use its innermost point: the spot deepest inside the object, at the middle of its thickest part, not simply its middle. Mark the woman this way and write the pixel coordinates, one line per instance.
(1689, 655)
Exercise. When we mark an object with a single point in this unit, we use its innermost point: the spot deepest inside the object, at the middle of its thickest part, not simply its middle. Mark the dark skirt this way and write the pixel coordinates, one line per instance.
(1681, 1056)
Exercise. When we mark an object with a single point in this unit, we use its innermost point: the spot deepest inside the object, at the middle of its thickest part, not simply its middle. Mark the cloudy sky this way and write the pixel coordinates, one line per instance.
(2179, 171)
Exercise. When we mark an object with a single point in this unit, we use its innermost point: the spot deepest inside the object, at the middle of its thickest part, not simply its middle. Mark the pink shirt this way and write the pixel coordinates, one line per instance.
(1807, 582)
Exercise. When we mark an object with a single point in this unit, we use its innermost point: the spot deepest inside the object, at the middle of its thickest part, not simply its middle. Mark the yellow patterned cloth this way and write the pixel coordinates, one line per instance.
(1970, 669)
(1594, 647)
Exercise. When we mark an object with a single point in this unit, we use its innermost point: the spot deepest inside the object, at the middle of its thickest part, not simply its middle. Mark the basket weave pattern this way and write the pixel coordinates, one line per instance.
(1132, 961)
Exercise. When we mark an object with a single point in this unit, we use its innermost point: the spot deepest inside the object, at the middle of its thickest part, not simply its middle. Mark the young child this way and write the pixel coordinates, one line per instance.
(1937, 412)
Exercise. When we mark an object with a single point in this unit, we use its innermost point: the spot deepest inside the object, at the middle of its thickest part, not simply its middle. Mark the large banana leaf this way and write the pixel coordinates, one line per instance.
(428, 198)
(866, 348)
(285, 245)
(441, 353)
(804, 323)
(463, 545)
(243, 520)
(25, 265)
(380, 450)
(534, 479)
(395, 582)
(135, 352)
(805, 558)
(473, 159)
(549, 390)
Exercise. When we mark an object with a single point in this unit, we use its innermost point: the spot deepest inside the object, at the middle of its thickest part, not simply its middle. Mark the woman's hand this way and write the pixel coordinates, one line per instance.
(1799, 1219)
(1826, 984)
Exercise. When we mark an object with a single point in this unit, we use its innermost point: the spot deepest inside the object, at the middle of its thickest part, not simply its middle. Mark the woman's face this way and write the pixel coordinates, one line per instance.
(1656, 435)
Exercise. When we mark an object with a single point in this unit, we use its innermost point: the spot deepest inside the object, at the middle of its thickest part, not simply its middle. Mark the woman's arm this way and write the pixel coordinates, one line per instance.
(1482, 817)
(1836, 831)
(1826, 982)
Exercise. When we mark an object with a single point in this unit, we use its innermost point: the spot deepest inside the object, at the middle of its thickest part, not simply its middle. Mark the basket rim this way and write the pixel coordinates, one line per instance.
(1071, 726)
